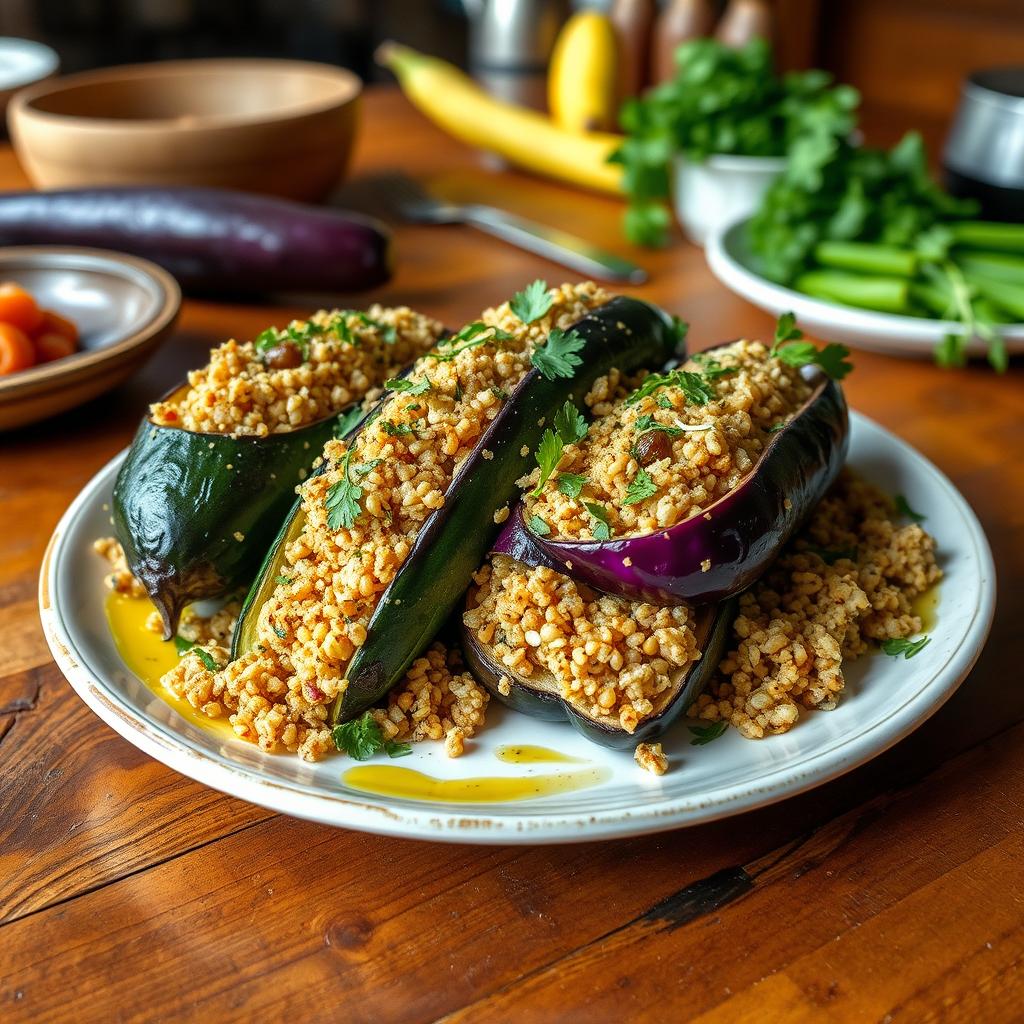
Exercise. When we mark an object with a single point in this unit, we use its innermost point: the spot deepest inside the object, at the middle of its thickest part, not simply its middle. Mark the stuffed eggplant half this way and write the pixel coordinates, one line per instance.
(213, 467)
(384, 541)
(688, 486)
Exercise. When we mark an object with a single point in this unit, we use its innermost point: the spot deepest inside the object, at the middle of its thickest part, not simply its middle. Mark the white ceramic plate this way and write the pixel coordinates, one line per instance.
(885, 699)
(729, 260)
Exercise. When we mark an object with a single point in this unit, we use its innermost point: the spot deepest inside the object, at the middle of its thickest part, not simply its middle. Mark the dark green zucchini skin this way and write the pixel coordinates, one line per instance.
(624, 333)
(196, 512)
(536, 703)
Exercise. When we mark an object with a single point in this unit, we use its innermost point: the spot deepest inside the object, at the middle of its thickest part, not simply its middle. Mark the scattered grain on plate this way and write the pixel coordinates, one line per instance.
(120, 577)
(805, 617)
(651, 758)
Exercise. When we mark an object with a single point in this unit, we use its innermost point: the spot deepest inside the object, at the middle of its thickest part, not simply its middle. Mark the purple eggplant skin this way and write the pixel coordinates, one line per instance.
(746, 529)
(211, 240)
(538, 703)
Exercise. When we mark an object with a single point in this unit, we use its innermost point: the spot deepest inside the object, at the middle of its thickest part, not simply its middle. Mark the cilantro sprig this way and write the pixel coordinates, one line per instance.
(789, 347)
(361, 739)
(570, 427)
(571, 484)
(407, 386)
(695, 386)
(557, 357)
(532, 302)
(343, 497)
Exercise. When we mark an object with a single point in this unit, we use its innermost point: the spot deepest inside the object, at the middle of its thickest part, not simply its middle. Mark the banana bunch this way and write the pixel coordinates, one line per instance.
(582, 74)
(558, 148)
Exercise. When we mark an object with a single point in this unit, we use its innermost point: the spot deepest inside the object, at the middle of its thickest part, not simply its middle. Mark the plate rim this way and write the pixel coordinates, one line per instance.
(469, 825)
(917, 334)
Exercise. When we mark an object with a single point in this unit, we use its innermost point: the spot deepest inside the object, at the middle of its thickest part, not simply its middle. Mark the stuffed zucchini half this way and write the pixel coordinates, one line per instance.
(213, 468)
(383, 543)
(690, 485)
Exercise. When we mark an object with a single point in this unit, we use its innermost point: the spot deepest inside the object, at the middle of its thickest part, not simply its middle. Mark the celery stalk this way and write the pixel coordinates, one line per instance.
(866, 258)
(885, 294)
(985, 234)
(997, 266)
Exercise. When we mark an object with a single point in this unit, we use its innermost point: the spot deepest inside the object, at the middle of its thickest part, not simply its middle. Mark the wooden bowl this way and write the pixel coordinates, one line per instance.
(23, 62)
(123, 307)
(276, 126)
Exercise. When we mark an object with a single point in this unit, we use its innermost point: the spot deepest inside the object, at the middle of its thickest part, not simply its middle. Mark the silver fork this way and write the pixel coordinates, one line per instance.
(415, 204)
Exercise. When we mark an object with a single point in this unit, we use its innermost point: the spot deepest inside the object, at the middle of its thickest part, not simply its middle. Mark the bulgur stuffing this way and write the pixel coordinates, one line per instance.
(120, 577)
(434, 701)
(651, 758)
(654, 460)
(272, 386)
(611, 658)
(848, 581)
(279, 693)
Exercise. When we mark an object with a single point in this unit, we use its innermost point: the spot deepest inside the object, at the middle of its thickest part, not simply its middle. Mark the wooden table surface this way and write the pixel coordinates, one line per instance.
(130, 893)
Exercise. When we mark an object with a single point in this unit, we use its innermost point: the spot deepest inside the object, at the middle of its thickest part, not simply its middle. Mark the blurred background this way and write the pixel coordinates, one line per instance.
(907, 57)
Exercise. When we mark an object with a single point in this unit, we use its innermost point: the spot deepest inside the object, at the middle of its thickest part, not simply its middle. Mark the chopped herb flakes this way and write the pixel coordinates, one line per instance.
(571, 484)
(361, 739)
(788, 347)
(694, 386)
(183, 646)
(647, 423)
(599, 524)
(407, 386)
(472, 335)
(539, 527)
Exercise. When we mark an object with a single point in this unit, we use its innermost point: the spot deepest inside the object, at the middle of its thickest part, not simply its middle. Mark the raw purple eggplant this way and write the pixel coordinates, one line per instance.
(722, 550)
(538, 695)
(212, 240)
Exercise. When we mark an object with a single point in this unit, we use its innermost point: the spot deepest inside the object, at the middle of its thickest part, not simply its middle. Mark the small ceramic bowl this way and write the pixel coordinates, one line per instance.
(123, 307)
(712, 193)
(276, 126)
(23, 62)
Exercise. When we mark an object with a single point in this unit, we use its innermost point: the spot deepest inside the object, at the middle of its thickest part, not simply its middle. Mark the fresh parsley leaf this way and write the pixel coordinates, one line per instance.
(599, 525)
(640, 488)
(712, 368)
(647, 423)
(539, 527)
(393, 429)
(680, 328)
(280, 633)
(903, 508)
(557, 357)
(342, 499)
(407, 386)
(896, 646)
(664, 402)
(786, 330)
(704, 734)
(267, 339)
(571, 484)
(394, 749)
(500, 393)
(283, 581)
(360, 739)
(366, 467)
(776, 427)
(532, 302)
(347, 420)
(570, 424)
(549, 452)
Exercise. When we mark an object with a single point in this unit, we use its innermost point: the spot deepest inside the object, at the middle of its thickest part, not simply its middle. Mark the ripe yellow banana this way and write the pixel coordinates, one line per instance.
(453, 101)
(583, 72)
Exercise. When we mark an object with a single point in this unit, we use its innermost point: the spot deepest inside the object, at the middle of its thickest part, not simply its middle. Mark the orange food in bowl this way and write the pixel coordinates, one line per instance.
(16, 351)
(28, 334)
(19, 308)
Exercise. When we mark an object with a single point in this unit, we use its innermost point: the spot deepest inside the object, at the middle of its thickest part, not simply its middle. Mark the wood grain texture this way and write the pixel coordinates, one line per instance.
(128, 893)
